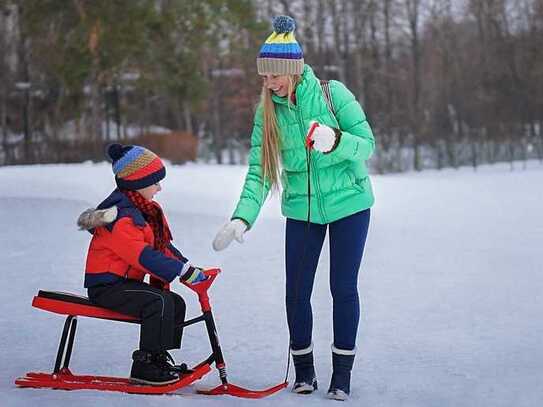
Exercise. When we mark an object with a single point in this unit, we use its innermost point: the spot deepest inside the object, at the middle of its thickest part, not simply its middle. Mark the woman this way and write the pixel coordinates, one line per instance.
(325, 185)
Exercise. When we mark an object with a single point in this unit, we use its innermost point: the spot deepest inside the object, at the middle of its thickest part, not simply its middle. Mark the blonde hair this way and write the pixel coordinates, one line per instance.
(270, 138)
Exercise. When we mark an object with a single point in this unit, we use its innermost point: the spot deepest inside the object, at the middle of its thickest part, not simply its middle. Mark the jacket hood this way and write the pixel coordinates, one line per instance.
(117, 205)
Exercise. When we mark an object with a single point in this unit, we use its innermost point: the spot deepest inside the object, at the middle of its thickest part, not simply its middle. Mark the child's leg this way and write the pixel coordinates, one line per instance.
(161, 311)
(180, 309)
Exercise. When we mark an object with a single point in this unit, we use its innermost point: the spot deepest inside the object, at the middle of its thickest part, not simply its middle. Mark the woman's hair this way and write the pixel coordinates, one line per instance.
(270, 137)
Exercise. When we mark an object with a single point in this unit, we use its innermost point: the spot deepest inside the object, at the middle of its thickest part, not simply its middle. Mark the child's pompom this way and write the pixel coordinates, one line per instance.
(283, 24)
(115, 151)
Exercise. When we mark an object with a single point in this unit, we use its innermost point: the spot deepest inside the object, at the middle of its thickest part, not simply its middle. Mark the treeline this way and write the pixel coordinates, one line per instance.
(444, 83)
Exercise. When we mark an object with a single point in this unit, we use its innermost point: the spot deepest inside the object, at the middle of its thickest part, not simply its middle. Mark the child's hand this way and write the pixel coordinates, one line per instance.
(193, 275)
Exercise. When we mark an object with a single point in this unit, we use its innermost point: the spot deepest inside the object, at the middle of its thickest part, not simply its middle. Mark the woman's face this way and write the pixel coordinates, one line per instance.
(150, 191)
(278, 84)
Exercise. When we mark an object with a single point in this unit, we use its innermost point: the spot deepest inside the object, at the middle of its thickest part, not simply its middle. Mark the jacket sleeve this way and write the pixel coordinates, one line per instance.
(177, 253)
(255, 189)
(357, 142)
(128, 243)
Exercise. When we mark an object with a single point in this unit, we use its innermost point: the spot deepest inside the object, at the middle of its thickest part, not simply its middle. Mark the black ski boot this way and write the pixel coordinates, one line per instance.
(342, 364)
(146, 371)
(306, 380)
(166, 361)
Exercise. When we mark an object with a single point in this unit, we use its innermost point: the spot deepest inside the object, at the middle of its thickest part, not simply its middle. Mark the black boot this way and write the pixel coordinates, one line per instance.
(145, 370)
(166, 361)
(306, 381)
(342, 364)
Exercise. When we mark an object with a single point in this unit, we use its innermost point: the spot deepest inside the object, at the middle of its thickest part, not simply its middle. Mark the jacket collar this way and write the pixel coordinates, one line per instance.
(124, 206)
(307, 85)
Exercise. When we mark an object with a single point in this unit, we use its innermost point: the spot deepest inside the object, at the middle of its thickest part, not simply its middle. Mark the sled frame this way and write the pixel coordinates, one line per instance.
(62, 377)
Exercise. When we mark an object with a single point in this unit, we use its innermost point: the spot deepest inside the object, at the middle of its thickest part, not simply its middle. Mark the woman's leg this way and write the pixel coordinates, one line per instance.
(347, 240)
(302, 250)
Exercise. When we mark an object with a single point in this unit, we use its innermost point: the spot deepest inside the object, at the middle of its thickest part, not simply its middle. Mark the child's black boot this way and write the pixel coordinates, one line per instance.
(306, 380)
(342, 364)
(166, 361)
(145, 370)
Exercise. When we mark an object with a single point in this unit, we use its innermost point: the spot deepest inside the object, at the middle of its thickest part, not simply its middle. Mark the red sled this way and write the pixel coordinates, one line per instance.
(74, 305)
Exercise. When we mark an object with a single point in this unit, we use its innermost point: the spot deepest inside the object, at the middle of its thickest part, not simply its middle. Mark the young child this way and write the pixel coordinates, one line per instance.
(131, 238)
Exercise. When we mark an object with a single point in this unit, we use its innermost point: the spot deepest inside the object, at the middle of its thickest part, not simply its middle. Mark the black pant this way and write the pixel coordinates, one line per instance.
(161, 312)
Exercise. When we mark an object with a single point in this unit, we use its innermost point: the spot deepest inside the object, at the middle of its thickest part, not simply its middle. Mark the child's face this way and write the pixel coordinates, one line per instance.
(278, 84)
(150, 191)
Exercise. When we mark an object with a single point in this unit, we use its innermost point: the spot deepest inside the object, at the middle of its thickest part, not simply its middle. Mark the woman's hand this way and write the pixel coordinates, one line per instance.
(323, 138)
(232, 230)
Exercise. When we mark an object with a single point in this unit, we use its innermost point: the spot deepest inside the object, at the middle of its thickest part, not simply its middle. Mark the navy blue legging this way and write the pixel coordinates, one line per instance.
(347, 238)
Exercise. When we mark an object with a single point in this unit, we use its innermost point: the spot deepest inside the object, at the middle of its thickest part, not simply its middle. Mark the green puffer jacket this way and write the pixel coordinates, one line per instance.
(340, 185)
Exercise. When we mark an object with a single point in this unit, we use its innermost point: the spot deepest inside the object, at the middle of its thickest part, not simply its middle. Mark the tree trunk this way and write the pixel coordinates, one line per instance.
(319, 27)
(4, 130)
(337, 25)
(474, 151)
(540, 149)
(286, 7)
(218, 142)
(4, 73)
(309, 30)
(388, 57)
(187, 114)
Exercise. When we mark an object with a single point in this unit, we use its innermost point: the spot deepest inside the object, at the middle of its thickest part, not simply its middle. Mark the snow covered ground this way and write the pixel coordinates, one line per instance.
(450, 285)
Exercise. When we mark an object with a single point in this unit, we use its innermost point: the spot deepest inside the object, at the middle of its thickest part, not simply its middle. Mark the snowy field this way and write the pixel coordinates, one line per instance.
(450, 287)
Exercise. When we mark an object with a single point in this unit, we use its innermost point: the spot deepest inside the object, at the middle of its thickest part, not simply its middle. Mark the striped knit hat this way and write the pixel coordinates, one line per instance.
(281, 54)
(135, 167)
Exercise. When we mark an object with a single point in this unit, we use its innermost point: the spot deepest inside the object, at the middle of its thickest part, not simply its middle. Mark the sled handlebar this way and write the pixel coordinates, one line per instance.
(201, 288)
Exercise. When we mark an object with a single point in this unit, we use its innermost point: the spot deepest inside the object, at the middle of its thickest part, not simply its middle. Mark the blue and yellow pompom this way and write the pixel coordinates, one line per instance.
(283, 24)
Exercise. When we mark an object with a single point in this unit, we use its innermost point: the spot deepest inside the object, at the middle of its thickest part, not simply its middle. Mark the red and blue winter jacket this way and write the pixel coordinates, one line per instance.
(124, 248)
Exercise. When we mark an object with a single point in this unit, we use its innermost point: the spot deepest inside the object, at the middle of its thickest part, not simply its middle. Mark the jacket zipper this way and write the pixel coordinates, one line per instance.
(312, 166)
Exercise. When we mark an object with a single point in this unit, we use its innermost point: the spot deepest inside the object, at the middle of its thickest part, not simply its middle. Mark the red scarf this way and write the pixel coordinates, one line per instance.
(152, 212)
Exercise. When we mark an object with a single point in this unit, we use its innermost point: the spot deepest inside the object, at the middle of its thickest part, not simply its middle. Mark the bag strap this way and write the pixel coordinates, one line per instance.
(325, 86)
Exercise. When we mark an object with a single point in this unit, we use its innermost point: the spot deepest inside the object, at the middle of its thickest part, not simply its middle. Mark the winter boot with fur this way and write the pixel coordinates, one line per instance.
(306, 381)
(342, 364)
(145, 370)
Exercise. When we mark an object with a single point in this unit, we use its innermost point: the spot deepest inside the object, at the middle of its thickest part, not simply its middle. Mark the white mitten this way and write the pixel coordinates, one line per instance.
(232, 230)
(323, 138)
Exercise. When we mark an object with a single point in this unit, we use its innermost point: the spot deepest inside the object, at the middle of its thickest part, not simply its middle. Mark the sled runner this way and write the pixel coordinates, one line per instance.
(74, 306)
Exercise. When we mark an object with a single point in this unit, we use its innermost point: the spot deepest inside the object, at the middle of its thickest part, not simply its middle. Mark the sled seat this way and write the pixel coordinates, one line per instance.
(76, 305)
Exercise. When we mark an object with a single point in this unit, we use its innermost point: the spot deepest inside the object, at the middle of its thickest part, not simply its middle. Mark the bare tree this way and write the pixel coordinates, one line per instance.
(4, 78)
(443, 82)
(338, 25)
(413, 13)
